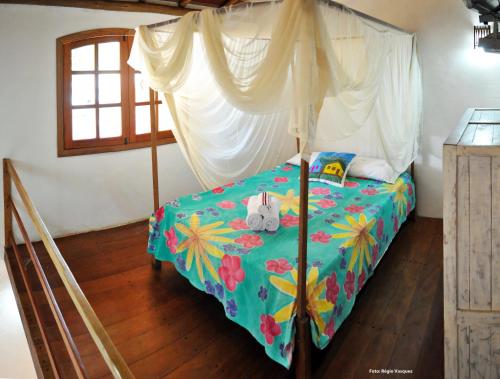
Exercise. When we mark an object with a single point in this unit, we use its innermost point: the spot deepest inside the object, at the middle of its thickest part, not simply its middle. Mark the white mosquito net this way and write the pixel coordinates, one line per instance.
(243, 83)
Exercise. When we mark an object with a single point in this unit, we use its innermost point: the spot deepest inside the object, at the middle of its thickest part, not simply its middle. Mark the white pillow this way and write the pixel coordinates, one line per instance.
(295, 160)
(362, 167)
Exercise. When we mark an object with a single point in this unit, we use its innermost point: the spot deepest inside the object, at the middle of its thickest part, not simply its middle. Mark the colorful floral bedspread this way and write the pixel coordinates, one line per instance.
(254, 274)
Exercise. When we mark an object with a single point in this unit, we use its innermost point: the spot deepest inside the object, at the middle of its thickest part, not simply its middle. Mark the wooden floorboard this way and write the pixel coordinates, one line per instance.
(165, 328)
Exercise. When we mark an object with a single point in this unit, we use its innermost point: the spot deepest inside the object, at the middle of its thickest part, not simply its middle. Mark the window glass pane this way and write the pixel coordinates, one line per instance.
(83, 89)
(142, 119)
(141, 89)
(110, 122)
(82, 58)
(84, 124)
(165, 121)
(109, 56)
(109, 89)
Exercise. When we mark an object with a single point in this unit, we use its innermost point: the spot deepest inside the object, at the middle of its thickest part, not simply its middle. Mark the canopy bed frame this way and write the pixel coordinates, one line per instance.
(302, 358)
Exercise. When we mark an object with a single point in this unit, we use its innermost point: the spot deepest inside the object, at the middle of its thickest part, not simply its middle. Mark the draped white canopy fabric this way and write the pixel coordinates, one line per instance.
(243, 82)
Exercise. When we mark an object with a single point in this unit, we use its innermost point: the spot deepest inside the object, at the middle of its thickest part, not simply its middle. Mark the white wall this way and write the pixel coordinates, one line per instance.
(455, 77)
(73, 193)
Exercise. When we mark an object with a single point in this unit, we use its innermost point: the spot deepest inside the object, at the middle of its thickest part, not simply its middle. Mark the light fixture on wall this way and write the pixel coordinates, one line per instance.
(480, 32)
(484, 37)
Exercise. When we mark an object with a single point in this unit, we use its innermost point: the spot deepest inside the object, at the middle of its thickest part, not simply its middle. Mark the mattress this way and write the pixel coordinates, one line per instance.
(254, 274)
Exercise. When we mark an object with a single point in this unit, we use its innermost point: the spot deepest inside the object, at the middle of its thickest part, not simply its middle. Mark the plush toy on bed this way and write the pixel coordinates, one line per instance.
(331, 168)
(263, 212)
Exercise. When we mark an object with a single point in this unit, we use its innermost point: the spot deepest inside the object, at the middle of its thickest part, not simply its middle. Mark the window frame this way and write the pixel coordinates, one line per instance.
(66, 146)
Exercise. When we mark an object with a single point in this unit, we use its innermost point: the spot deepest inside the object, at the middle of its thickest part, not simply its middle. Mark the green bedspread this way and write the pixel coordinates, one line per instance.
(254, 274)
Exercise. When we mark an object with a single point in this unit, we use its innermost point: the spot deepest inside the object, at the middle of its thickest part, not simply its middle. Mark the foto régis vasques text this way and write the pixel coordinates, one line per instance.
(390, 371)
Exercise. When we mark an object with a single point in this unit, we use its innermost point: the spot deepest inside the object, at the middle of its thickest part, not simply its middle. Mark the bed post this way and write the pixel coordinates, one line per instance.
(303, 331)
(153, 112)
(413, 214)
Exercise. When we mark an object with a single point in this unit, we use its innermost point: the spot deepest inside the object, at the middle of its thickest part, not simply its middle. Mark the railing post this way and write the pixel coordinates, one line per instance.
(7, 209)
(110, 354)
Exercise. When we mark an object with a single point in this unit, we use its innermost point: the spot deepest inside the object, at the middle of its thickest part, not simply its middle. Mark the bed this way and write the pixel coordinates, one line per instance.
(254, 274)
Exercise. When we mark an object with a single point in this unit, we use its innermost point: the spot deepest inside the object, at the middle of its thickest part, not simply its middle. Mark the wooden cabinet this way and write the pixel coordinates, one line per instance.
(471, 169)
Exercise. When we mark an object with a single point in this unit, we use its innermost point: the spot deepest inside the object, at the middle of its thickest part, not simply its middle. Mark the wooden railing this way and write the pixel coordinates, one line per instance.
(110, 354)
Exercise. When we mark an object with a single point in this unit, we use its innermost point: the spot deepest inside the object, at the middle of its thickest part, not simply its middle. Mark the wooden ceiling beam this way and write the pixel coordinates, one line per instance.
(233, 2)
(123, 6)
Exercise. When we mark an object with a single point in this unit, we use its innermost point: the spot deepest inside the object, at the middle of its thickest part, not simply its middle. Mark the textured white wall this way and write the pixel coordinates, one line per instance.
(455, 77)
(74, 193)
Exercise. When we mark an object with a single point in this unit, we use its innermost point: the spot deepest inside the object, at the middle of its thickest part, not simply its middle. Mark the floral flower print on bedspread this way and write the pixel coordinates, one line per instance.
(380, 228)
(330, 328)
(249, 240)
(395, 223)
(398, 191)
(369, 191)
(160, 214)
(316, 304)
(154, 229)
(238, 224)
(269, 328)
(262, 294)
(291, 202)
(349, 284)
(289, 221)
(332, 288)
(209, 287)
(326, 203)
(357, 233)
(226, 204)
(181, 263)
(281, 179)
(353, 208)
(320, 237)
(286, 350)
(231, 272)
(173, 203)
(171, 240)
(321, 191)
(199, 243)
(351, 184)
(279, 266)
(232, 308)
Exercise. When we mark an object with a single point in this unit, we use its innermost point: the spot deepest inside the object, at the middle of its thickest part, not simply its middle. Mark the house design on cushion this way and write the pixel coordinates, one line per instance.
(334, 168)
(328, 165)
(331, 167)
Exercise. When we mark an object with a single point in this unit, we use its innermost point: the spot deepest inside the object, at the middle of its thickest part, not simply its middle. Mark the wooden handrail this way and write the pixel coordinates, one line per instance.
(54, 307)
(110, 354)
(36, 308)
(7, 214)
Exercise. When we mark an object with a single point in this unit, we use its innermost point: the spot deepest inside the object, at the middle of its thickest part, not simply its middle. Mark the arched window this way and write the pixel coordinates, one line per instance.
(102, 103)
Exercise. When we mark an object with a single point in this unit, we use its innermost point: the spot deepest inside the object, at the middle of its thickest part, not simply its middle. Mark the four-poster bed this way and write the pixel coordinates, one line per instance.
(167, 229)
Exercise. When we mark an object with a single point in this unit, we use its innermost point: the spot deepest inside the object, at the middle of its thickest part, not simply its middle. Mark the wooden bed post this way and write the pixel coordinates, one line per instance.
(303, 328)
(153, 111)
(413, 214)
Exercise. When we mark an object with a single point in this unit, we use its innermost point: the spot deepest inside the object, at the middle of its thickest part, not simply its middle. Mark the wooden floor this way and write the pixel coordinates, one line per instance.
(164, 327)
